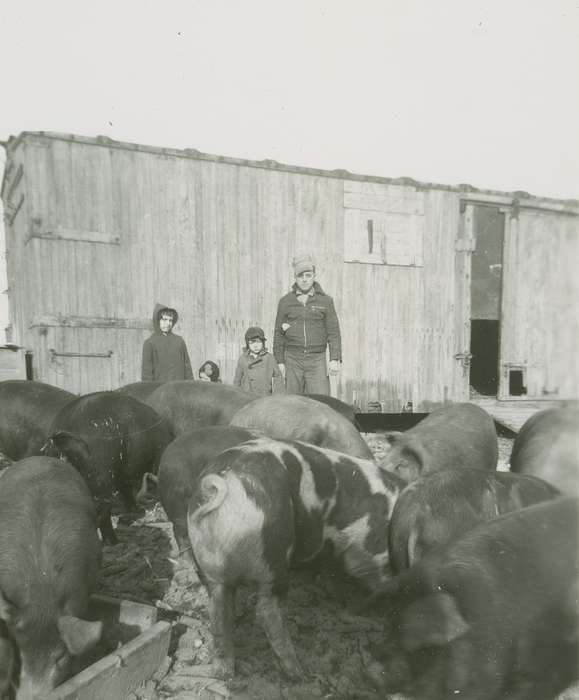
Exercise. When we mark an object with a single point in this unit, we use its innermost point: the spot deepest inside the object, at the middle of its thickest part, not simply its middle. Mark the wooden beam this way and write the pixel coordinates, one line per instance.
(506, 200)
(58, 321)
(83, 236)
(12, 211)
(14, 184)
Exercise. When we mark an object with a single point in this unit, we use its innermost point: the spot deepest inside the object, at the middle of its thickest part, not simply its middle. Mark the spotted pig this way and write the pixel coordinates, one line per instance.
(268, 503)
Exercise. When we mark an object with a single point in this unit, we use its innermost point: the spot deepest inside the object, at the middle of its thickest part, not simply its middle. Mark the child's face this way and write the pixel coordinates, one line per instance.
(255, 345)
(208, 370)
(166, 323)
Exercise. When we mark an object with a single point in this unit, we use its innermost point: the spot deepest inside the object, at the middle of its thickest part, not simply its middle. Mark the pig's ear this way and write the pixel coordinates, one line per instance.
(79, 635)
(8, 611)
(392, 436)
(65, 445)
(433, 620)
(415, 451)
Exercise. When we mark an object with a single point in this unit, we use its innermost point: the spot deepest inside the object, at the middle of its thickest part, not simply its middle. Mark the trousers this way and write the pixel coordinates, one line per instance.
(306, 373)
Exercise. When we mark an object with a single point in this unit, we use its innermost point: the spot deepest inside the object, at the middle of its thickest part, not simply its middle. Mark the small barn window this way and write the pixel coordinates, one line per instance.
(384, 239)
(517, 382)
(383, 225)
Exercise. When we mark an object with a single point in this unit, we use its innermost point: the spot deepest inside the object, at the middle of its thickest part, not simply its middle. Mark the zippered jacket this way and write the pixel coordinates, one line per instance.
(310, 327)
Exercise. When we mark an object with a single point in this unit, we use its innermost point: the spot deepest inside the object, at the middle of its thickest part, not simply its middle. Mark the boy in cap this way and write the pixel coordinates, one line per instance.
(165, 355)
(306, 323)
(257, 372)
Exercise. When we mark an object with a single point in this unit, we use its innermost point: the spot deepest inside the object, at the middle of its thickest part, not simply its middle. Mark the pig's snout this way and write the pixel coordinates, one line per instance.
(385, 668)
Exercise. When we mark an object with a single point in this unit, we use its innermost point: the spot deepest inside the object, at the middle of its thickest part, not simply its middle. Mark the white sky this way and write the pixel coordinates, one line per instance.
(454, 91)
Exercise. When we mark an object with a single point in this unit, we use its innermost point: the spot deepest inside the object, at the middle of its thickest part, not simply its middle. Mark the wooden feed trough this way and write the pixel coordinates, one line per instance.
(144, 644)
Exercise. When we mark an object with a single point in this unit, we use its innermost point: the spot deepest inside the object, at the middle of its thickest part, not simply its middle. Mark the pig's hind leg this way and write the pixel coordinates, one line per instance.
(221, 614)
(269, 615)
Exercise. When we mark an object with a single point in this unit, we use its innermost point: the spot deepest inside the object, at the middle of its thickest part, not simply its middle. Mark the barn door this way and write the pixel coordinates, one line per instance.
(464, 246)
(539, 315)
(83, 358)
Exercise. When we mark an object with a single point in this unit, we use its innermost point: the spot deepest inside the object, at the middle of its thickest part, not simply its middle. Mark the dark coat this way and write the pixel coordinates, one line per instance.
(165, 357)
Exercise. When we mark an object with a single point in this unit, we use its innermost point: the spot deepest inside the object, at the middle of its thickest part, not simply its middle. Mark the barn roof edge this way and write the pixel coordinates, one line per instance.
(467, 191)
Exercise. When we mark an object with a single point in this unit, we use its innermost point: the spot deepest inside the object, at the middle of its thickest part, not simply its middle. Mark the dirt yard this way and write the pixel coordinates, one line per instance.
(329, 641)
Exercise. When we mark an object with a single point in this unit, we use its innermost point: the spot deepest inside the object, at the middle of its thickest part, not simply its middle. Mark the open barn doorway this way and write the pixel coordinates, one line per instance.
(486, 288)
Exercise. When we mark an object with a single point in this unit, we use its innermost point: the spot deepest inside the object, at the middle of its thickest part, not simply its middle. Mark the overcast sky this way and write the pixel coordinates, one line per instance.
(451, 92)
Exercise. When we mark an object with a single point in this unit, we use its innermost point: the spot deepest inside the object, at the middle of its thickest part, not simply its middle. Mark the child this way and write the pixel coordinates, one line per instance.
(165, 355)
(209, 372)
(257, 372)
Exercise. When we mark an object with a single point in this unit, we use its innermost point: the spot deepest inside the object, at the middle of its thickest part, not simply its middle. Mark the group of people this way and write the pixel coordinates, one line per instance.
(306, 325)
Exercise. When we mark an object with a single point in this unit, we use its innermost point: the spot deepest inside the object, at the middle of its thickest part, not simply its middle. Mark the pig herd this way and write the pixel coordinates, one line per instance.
(473, 573)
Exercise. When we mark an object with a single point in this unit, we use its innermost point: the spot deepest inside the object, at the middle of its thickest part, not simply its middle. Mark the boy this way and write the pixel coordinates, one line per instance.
(257, 372)
(165, 355)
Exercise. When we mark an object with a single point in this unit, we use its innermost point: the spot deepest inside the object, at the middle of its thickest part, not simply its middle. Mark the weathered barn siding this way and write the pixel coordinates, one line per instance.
(109, 229)
(541, 303)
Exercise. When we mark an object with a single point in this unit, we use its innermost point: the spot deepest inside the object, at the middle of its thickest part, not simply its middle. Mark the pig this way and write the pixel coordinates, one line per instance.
(182, 463)
(187, 405)
(50, 554)
(547, 446)
(26, 411)
(8, 667)
(451, 437)
(344, 409)
(113, 440)
(293, 417)
(442, 505)
(490, 616)
(268, 504)
(139, 390)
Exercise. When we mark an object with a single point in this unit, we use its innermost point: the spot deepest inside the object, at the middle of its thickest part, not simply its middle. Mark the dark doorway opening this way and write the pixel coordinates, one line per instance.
(486, 290)
(484, 347)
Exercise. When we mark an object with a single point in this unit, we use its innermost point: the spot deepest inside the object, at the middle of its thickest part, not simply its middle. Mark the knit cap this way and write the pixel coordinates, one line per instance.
(302, 263)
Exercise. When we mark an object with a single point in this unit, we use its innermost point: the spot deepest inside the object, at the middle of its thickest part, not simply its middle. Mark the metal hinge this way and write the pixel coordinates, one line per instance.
(465, 357)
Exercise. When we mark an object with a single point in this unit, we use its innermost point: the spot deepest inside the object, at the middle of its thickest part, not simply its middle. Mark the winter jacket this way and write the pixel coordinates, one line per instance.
(311, 326)
(165, 357)
(255, 374)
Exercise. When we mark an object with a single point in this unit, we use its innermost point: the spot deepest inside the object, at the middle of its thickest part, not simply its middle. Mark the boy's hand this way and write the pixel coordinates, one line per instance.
(334, 366)
(282, 369)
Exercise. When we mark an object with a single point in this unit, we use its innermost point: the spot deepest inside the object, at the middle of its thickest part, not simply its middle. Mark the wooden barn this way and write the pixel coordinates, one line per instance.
(443, 293)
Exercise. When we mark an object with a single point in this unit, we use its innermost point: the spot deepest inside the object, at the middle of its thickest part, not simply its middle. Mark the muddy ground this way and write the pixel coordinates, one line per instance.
(328, 640)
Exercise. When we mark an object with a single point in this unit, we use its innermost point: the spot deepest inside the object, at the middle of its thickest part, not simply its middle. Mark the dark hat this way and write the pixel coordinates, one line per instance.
(254, 332)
